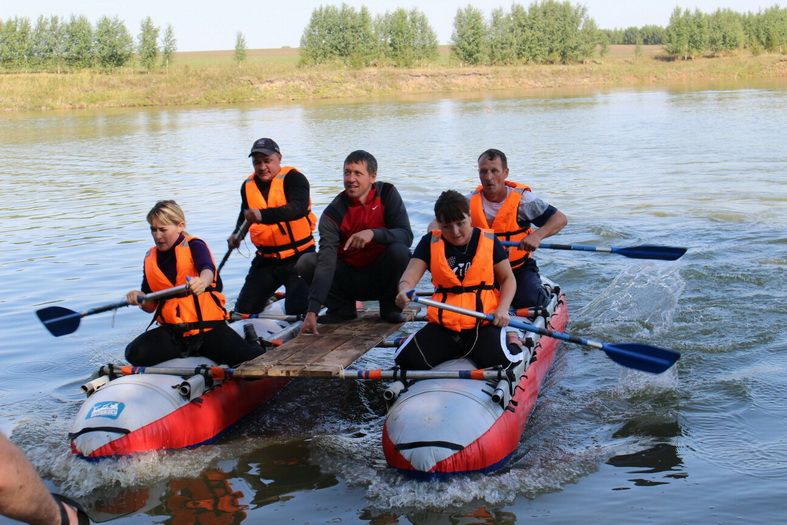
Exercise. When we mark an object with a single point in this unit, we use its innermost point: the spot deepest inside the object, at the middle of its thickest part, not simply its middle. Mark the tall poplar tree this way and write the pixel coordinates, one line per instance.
(147, 43)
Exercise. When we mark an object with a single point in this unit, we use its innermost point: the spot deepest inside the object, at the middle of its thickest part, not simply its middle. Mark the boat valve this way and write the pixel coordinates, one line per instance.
(192, 387)
(392, 392)
(91, 386)
(502, 393)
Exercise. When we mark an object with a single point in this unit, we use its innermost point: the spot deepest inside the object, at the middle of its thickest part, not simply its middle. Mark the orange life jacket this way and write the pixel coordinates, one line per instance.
(477, 290)
(283, 239)
(190, 313)
(505, 224)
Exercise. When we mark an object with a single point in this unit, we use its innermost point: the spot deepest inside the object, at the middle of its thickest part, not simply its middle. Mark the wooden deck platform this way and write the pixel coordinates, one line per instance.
(325, 355)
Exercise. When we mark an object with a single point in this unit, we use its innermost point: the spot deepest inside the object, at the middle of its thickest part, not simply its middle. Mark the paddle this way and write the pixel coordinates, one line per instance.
(62, 321)
(239, 235)
(631, 355)
(643, 251)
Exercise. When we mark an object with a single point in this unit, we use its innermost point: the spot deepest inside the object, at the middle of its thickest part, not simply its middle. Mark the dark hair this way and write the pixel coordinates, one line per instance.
(358, 156)
(451, 206)
(492, 154)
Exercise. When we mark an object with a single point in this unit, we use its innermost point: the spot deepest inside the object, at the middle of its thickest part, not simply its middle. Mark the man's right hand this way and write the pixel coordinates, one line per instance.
(232, 242)
(310, 324)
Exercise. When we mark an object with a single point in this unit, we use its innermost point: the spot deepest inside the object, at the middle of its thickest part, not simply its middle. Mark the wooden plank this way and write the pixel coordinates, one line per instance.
(326, 354)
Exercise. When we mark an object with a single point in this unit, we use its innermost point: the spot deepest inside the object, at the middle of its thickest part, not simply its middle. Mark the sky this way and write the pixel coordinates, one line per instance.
(203, 26)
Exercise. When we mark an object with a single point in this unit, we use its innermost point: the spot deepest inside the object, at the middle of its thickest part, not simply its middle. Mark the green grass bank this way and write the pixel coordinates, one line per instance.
(270, 76)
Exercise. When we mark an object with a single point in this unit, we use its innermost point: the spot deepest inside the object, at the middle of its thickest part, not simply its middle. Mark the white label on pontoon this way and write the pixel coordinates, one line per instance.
(108, 409)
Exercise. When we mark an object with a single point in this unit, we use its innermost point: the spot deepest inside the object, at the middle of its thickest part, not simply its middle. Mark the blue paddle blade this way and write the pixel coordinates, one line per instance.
(646, 358)
(58, 320)
(651, 251)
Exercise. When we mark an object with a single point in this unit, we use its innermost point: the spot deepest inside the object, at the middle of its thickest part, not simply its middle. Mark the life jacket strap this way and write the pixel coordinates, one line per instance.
(275, 251)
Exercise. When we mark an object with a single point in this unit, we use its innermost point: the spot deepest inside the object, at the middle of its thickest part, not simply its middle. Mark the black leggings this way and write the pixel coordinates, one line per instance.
(221, 344)
(431, 345)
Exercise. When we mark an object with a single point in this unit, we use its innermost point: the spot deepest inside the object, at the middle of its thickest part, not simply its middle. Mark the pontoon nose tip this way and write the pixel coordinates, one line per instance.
(430, 427)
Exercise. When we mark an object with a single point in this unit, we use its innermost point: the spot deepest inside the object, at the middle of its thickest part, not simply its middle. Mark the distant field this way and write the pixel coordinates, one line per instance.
(289, 55)
(280, 56)
(273, 75)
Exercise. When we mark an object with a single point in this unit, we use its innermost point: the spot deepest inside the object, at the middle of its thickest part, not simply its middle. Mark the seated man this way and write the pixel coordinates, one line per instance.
(465, 264)
(275, 201)
(365, 239)
(511, 210)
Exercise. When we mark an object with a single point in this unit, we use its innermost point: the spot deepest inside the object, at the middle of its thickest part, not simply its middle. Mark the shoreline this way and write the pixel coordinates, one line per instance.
(265, 80)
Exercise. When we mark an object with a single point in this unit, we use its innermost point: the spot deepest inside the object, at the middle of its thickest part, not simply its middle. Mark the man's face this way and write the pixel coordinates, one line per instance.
(266, 166)
(493, 176)
(357, 180)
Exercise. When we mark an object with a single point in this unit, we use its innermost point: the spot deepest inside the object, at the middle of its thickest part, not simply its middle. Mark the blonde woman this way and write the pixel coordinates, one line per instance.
(193, 324)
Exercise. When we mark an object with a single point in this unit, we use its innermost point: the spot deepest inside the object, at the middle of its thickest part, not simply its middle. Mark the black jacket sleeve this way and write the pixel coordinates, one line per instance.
(397, 222)
(330, 237)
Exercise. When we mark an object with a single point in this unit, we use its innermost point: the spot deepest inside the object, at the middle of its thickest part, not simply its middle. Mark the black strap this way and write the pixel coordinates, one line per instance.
(276, 250)
(62, 501)
(182, 328)
(116, 430)
(463, 289)
(421, 444)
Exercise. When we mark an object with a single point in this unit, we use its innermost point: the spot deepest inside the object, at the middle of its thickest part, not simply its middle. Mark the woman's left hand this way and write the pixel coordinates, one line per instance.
(501, 317)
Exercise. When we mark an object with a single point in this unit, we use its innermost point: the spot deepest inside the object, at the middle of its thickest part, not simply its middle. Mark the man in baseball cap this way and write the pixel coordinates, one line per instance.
(276, 202)
(265, 146)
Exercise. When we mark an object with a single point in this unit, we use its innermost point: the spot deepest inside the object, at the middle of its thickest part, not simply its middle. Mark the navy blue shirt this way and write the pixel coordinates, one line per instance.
(458, 257)
(168, 263)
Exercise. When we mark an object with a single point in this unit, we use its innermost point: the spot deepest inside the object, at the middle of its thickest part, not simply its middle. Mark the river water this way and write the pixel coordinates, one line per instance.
(706, 169)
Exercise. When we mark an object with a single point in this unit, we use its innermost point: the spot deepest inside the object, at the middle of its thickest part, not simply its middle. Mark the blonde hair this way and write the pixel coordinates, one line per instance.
(167, 212)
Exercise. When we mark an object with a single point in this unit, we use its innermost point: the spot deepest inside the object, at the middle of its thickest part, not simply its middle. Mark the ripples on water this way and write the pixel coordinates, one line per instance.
(705, 170)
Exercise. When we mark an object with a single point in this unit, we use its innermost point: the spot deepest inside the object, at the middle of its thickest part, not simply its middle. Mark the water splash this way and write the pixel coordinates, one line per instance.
(640, 301)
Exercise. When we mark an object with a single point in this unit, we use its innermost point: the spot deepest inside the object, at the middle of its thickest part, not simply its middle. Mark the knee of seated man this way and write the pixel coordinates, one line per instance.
(397, 253)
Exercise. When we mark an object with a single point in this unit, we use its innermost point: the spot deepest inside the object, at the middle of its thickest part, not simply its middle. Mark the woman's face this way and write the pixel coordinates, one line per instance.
(457, 233)
(165, 235)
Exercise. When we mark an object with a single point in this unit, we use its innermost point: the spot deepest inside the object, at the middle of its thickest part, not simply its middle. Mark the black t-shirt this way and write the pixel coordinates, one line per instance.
(458, 257)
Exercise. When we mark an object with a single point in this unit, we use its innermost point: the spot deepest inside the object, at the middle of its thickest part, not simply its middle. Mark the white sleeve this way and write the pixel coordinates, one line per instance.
(531, 207)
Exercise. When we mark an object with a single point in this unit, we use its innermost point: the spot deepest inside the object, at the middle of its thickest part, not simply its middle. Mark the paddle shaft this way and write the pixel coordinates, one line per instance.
(153, 296)
(513, 322)
(642, 357)
(239, 235)
(645, 251)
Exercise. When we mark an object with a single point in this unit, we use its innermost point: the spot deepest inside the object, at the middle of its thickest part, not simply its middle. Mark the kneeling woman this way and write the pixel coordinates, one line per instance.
(191, 325)
(465, 264)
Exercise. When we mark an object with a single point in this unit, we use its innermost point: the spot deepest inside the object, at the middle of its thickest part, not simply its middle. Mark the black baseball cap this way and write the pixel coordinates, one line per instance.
(264, 146)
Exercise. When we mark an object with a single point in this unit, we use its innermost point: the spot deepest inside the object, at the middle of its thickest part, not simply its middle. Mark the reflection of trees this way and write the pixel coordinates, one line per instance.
(464, 516)
(213, 497)
(281, 469)
(663, 457)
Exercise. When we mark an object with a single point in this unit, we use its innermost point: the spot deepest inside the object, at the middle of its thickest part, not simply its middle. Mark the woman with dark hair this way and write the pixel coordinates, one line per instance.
(469, 269)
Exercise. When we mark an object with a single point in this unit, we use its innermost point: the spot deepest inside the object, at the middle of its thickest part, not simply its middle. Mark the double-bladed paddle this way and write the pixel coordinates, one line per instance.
(62, 321)
(631, 355)
(239, 235)
(643, 251)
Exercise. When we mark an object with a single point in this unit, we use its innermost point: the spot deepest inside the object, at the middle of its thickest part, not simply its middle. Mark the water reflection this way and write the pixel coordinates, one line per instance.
(661, 457)
(218, 495)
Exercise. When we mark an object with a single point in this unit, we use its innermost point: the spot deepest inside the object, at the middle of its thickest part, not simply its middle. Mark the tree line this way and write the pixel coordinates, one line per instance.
(690, 34)
(343, 34)
(648, 35)
(547, 31)
(55, 43)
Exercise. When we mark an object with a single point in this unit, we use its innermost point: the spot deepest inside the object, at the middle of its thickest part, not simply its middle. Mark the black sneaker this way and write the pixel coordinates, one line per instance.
(393, 317)
(336, 317)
